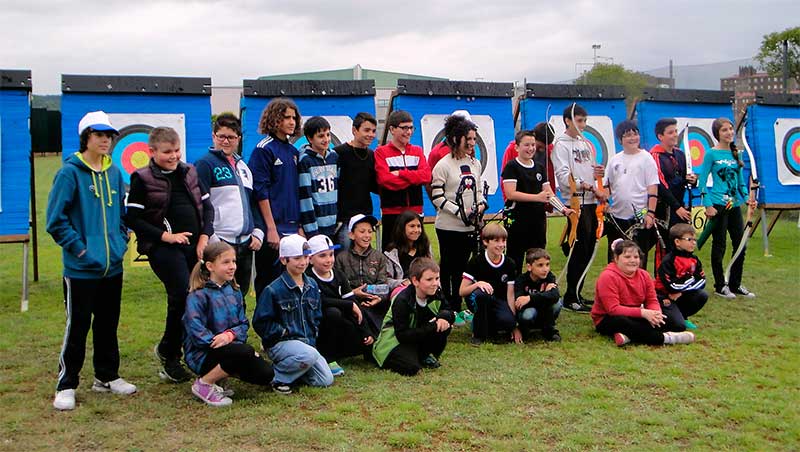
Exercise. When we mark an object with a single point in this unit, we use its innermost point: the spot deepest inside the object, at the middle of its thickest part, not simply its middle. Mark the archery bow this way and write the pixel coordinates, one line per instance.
(599, 211)
(570, 234)
(687, 151)
(753, 195)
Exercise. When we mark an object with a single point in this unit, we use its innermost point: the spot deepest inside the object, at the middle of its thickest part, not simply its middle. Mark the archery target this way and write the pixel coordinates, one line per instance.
(485, 148)
(700, 140)
(130, 150)
(599, 132)
(341, 131)
(787, 149)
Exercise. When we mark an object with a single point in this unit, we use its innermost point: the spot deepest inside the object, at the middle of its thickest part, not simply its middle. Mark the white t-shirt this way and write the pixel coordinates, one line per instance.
(628, 176)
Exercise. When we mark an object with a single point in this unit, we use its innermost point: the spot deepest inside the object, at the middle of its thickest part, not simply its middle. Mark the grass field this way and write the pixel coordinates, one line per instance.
(737, 388)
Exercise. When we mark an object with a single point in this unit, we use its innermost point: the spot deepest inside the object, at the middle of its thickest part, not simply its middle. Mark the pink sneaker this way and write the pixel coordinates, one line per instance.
(210, 394)
(621, 339)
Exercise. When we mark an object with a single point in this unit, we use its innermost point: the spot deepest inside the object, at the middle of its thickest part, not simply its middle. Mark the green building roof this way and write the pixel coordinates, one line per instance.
(383, 79)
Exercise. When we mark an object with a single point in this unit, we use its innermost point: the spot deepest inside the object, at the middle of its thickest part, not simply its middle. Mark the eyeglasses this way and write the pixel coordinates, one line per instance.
(687, 239)
(405, 128)
(227, 137)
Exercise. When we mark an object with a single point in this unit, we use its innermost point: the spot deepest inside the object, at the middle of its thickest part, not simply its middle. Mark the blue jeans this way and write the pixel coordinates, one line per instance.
(342, 237)
(295, 360)
(530, 317)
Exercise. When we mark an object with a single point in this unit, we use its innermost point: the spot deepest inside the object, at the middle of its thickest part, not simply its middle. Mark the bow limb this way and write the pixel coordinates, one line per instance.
(753, 195)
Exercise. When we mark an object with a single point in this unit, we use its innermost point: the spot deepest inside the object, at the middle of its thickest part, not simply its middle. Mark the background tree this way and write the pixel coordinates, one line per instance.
(616, 74)
(770, 54)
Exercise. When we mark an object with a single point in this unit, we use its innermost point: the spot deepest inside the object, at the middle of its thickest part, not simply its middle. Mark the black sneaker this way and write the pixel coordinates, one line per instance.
(742, 290)
(430, 362)
(577, 306)
(282, 388)
(475, 341)
(552, 337)
(171, 369)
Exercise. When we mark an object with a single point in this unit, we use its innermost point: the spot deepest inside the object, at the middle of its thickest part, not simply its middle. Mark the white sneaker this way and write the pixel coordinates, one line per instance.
(65, 400)
(725, 292)
(684, 337)
(742, 290)
(118, 386)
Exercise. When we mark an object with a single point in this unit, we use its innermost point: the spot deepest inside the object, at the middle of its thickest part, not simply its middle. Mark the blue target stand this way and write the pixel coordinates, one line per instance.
(605, 105)
(338, 101)
(694, 110)
(772, 129)
(136, 105)
(489, 105)
(15, 167)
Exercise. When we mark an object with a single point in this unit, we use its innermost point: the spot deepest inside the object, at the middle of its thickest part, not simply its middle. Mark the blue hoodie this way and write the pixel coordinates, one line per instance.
(84, 213)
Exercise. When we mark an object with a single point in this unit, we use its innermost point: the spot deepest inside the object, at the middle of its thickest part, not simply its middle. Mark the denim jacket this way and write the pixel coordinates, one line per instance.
(211, 311)
(286, 312)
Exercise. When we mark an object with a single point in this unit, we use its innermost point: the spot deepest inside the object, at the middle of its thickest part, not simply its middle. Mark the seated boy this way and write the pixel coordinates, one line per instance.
(681, 279)
(343, 331)
(536, 296)
(287, 319)
(364, 267)
(318, 176)
(415, 330)
(488, 283)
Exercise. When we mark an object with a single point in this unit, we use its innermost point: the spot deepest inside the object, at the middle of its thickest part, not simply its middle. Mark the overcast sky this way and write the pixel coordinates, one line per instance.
(497, 40)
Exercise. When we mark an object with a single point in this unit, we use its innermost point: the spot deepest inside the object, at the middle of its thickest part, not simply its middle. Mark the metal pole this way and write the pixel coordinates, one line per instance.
(23, 306)
(765, 232)
(785, 66)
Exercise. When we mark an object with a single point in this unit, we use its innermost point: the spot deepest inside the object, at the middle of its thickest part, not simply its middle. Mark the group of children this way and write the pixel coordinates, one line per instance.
(325, 293)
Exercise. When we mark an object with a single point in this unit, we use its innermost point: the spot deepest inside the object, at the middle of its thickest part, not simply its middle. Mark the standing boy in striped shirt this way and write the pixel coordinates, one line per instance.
(318, 177)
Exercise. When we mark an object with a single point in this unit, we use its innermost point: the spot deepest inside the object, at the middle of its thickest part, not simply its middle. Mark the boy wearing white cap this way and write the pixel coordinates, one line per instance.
(287, 319)
(365, 270)
(343, 331)
(84, 216)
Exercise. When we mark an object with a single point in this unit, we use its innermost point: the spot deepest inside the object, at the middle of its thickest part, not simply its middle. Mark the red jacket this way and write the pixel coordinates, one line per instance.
(438, 151)
(404, 191)
(620, 295)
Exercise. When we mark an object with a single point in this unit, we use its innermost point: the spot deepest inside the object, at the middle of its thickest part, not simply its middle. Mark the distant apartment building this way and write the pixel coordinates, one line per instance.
(749, 81)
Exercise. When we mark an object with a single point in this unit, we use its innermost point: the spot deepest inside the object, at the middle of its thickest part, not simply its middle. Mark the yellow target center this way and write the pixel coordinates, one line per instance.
(139, 159)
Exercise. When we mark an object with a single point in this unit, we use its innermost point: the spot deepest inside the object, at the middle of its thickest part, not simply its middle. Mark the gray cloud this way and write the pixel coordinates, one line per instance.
(500, 40)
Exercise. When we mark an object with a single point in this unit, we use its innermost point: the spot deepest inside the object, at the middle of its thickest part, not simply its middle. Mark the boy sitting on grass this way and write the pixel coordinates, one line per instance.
(681, 279)
(489, 285)
(287, 319)
(536, 296)
(415, 330)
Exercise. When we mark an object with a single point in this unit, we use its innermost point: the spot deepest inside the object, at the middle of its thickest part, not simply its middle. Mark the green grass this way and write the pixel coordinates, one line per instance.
(737, 388)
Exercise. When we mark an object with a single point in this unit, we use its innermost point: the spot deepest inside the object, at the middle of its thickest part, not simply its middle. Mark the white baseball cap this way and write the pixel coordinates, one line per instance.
(463, 113)
(96, 120)
(294, 246)
(320, 243)
(360, 217)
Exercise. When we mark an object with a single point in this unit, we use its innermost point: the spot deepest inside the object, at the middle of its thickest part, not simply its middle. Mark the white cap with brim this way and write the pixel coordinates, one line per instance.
(294, 246)
(320, 243)
(359, 218)
(96, 120)
(463, 113)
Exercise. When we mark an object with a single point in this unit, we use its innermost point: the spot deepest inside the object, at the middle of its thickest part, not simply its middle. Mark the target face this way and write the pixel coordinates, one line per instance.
(130, 151)
(598, 145)
(791, 151)
(787, 150)
(699, 143)
(485, 148)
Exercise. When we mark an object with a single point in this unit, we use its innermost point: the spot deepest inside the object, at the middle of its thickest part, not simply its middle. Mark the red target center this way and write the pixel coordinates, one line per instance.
(795, 153)
(135, 156)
